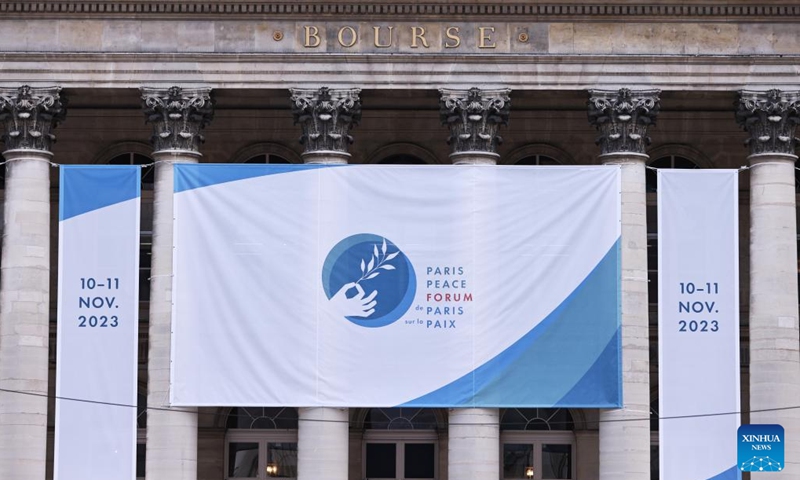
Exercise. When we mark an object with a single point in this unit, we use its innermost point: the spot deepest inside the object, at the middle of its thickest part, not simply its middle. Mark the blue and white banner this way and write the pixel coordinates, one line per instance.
(396, 285)
(698, 323)
(98, 313)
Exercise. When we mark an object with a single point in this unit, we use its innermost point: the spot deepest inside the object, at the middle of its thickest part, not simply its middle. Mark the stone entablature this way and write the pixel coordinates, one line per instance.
(426, 36)
(523, 46)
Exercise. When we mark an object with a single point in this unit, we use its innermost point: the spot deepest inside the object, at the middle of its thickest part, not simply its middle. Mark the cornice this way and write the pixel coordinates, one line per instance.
(352, 10)
(400, 59)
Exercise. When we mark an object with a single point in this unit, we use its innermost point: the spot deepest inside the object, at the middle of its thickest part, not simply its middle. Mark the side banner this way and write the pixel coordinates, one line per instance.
(396, 285)
(698, 323)
(98, 306)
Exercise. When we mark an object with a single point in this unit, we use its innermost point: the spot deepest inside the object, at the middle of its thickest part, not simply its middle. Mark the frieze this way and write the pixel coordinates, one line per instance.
(709, 11)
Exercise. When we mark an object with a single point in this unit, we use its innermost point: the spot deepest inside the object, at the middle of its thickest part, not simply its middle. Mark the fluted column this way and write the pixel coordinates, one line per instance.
(178, 117)
(28, 116)
(771, 119)
(474, 118)
(326, 117)
(622, 118)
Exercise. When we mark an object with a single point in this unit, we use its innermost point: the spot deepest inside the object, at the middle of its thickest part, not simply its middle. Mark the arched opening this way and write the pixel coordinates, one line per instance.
(402, 159)
(141, 431)
(537, 443)
(261, 443)
(402, 153)
(655, 469)
(266, 152)
(400, 443)
(130, 153)
(538, 154)
(651, 177)
(267, 158)
(132, 158)
(667, 161)
(537, 160)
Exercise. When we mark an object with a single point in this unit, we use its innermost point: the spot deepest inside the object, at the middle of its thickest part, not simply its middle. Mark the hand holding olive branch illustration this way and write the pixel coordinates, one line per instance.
(362, 305)
(359, 305)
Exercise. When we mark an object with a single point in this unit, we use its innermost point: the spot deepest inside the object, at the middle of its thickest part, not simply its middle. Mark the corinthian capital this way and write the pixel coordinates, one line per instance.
(474, 117)
(29, 116)
(770, 118)
(178, 115)
(622, 117)
(326, 115)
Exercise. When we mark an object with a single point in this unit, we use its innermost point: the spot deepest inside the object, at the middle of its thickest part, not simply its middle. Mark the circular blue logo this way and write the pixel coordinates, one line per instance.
(368, 280)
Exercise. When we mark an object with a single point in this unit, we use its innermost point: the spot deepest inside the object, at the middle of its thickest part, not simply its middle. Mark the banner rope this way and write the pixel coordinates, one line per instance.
(740, 169)
(52, 164)
(160, 275)
(180, 410)
(56, 165)
(151, 164)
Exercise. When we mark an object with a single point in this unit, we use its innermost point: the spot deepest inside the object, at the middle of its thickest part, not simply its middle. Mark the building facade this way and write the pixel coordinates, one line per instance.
(680, 84)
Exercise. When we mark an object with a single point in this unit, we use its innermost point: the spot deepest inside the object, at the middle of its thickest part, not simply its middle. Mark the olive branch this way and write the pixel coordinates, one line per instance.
(377, 262)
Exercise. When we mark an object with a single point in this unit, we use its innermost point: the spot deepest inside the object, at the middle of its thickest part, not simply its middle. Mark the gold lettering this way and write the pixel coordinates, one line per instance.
(353, 36)
(452, 34)
(418, 33)
(312, 32)
(485, 37)
(378, 37)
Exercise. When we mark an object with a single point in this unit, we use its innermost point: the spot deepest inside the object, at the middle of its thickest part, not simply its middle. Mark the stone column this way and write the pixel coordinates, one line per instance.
(771, 120)
(28, 116)
(178, 117)
(622, 118)
(474, 118)
(326, 116)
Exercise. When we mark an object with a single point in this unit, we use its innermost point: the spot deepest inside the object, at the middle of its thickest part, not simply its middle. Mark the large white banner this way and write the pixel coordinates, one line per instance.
(396, 285)
(98, 306)
(698, 323)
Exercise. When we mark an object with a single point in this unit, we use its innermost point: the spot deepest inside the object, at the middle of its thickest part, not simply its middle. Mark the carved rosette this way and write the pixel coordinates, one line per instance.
(771, 119)
(178, 115)
(326, 115)
(474, 117)
(622, 117)
(29, 116)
